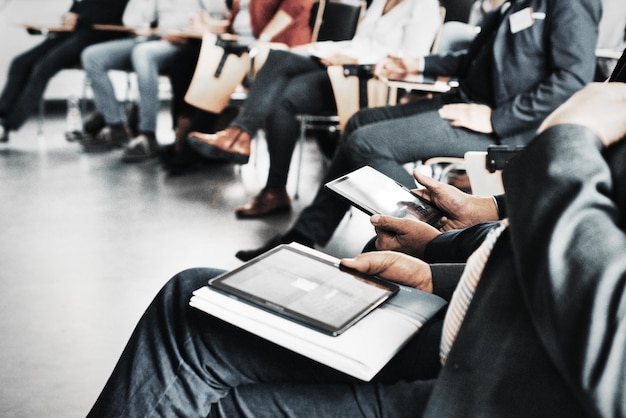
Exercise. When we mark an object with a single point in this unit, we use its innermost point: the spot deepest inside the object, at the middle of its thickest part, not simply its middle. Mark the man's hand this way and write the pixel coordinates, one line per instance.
(462, 209)
(397, 267)
(405, 235)
(70, 20)
(600, 107)
(475, 117)
(395, 68)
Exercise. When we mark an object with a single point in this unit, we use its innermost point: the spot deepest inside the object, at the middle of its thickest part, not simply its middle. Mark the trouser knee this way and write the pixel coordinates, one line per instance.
(179, 288)
(356, 148)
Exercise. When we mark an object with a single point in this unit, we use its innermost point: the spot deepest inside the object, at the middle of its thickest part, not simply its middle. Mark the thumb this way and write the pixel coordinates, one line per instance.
(359, 263)
(388, 223)
(369, 263)
(425, 180)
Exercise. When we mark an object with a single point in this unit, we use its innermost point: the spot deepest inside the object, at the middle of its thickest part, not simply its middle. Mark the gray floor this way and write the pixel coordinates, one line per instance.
(86, 241)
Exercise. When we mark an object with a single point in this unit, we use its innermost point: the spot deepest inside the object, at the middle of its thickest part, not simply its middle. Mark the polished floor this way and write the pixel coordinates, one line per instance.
(86, 241)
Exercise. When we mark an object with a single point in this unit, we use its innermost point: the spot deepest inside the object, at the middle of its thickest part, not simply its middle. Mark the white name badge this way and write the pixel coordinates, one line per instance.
(521, 20)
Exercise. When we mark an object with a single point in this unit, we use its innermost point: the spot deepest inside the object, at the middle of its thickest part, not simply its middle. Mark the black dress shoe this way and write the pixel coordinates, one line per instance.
(4, 131)
(114, 136)
(289, 237)
(93, 123)
(182, 161)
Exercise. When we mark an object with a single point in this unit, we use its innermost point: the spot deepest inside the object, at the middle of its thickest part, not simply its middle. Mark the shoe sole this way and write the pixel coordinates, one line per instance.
(73, 136)
(138, 158)
(213, 152)
(277, 211)
(97, 148)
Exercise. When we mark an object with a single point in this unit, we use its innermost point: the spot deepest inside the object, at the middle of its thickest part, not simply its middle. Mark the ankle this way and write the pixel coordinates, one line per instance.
(239, 133)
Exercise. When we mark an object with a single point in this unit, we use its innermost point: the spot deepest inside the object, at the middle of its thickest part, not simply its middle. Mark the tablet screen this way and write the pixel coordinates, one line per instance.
(302, 287)
(373, 192)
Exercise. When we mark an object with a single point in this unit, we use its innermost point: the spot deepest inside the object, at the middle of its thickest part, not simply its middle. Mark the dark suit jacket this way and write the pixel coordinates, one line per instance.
(545, 335)
(535, 69)
(619, 74)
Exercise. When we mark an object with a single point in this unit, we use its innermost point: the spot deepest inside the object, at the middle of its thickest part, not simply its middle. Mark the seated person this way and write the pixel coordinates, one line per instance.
(292, 83)
(510, 79)
(147, 55)
(30, 72)
(516, 349)
(261, 24)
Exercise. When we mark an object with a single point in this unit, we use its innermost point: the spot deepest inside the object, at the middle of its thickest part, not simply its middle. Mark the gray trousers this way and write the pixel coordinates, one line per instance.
(386, 138)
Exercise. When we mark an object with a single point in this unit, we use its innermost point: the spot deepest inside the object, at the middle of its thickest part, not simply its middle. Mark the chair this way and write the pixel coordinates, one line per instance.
(483, 168)
(457, 10)
(453, 36)
(335, 20)
(219, 71)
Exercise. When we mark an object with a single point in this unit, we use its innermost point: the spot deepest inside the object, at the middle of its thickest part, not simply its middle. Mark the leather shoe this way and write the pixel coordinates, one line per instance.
(289, 237)
(4, 131)
(267, 202)
(93, 123)
(108, 138)
(231, 144)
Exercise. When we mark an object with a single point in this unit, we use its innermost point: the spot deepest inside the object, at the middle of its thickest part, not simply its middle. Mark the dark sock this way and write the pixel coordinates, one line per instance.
(295, 236)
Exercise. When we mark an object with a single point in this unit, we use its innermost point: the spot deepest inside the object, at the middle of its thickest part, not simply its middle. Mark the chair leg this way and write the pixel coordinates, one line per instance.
(302, 140)
(83, 102)
(41, 116)
(255, 140)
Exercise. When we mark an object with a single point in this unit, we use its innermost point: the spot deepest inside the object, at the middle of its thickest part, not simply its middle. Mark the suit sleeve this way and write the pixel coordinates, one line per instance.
(445, 278)
(457, 245)
(568, 238)
(455, 63)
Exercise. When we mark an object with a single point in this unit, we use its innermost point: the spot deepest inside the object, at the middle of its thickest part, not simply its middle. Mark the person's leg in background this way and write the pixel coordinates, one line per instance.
(384, 137)
(17, 79)
(178, 158)
(233, 143)
(389, 144)
(310, 93)
(30, 73)
(180, 76)
(148, 60)
(97, 61)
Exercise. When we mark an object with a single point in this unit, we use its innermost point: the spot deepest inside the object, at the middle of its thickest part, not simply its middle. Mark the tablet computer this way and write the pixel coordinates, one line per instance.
(373, 192)
(305, 288)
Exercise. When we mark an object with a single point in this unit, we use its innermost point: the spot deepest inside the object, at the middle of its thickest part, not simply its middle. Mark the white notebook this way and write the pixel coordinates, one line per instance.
(362, 350)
